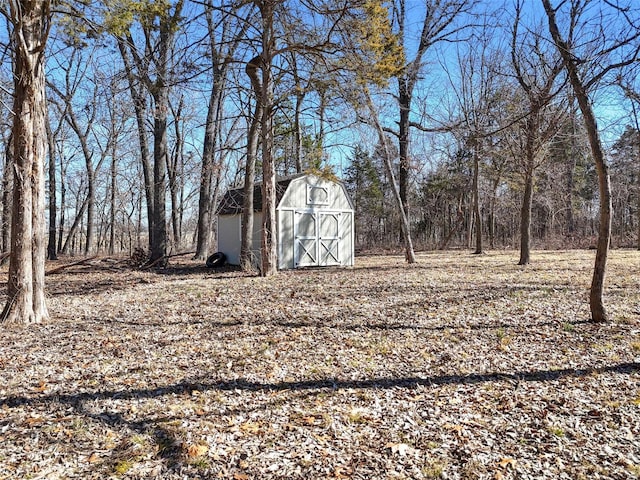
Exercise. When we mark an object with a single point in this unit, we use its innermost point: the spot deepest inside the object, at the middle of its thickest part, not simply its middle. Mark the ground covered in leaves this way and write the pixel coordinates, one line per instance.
(459, 367)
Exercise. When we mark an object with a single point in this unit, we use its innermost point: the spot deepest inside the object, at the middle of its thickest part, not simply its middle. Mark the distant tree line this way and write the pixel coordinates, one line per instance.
(564, 208)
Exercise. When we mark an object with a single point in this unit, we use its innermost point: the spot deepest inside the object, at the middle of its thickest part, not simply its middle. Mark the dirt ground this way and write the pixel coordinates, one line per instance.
(459, 367)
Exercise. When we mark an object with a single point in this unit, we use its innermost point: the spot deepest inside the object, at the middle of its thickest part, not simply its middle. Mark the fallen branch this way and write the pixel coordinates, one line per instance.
(180, 254)
(73, 264)
(164, 259)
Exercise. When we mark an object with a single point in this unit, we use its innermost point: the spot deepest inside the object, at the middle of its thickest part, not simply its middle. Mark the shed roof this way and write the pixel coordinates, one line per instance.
(232, 201)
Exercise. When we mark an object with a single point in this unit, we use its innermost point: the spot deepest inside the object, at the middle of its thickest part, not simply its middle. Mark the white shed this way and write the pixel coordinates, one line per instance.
(314, 219)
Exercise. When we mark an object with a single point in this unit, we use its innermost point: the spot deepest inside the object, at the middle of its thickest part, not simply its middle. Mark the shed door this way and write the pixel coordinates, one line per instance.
(317, 238)
(306, 241)
(329, 238)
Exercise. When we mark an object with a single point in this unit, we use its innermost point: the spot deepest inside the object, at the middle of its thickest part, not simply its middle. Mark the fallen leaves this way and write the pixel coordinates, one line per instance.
(197, 450)
(459, 367)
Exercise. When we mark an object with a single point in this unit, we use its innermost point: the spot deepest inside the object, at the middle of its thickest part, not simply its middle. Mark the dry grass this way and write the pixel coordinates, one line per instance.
(459, 367)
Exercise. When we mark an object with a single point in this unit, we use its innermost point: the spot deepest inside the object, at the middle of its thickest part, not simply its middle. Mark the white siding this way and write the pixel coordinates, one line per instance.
(315, 193)
(229, 237)
(285, 239)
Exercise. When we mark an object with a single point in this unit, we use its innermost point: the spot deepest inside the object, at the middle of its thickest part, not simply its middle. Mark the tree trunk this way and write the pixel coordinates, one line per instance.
(52, 250)
(74, 227)
(7, 184)
(91, 207)
(63, 204)
(175, 167)
(492, 212)
(297, 128)
(525, 218)
(25, 286)
(638, 193)
(569, 186)
(476, 199)
(113, 209)
(410, 256)
(404, 102)
(140, 109)
(205, 201)
(598, 311)
(158, 222)
(269, 226)
(268, 245)
(246, 242)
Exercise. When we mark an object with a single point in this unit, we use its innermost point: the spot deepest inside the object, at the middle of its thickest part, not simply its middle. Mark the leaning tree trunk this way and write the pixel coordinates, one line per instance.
(25, 286)
(598, 311)
(410, 256)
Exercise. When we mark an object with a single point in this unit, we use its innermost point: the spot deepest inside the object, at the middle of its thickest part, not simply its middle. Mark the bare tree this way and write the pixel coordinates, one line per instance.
(387, 159)
(52, 249)
(480, 95)
(225, 35)
(633, 94)
(536, 70)
(31, 22)
(442, 21)
(149, 62)
(584, 75)
(82, 122)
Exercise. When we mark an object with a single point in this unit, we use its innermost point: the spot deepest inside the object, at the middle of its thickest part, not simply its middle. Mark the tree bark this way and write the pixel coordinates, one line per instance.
(253, 137)
(596, 303)
(476, 199)
(175, 167)
(63, 204)
(140, 109)
(25, 286)
(410, 256)
(268, 246)
(52, 250)
(206, 204)
(112, 202)
(404, 102)
(205, 200)
(525, 218)
(7, 185)
(159, 221)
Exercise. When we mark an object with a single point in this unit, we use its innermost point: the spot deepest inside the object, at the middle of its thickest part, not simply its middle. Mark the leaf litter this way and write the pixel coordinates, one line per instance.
(459, 367)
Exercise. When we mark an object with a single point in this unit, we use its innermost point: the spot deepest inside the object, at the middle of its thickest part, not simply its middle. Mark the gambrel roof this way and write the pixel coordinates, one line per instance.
(231, 203)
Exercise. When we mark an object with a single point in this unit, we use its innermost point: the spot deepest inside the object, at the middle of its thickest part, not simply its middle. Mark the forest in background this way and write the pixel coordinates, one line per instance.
(452, 86)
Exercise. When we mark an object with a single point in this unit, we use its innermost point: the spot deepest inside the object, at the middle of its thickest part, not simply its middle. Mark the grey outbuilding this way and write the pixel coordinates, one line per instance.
(314, 220)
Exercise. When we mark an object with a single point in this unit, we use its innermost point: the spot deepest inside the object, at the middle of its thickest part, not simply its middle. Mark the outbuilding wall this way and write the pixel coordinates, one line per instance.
(229, 237)
(315, 219)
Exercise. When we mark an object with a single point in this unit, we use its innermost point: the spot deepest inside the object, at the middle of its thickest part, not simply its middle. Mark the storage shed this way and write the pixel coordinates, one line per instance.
(314, 220)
